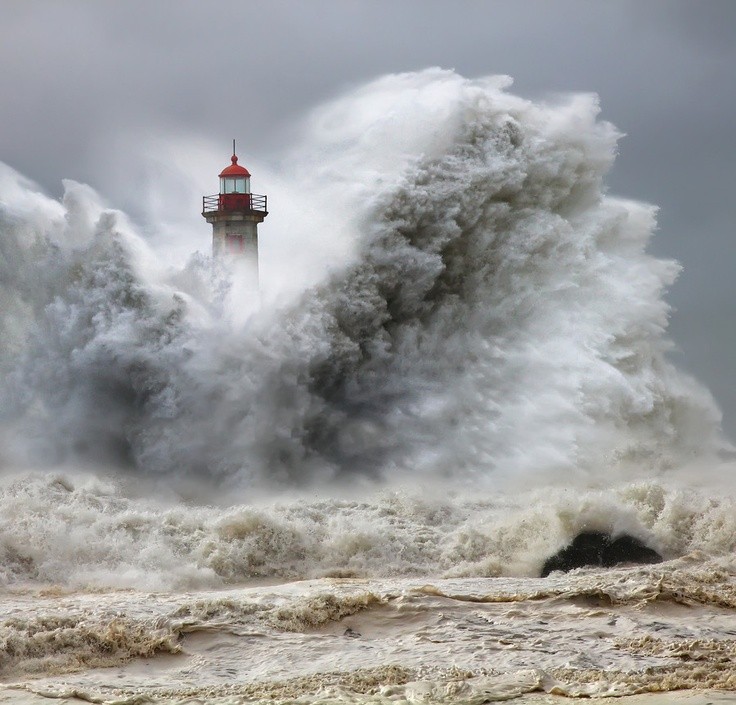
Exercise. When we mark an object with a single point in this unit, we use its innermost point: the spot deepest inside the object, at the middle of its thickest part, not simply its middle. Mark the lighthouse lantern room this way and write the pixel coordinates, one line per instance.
(234, 214)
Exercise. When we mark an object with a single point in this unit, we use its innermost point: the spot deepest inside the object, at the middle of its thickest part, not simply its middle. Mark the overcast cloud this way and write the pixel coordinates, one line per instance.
(86, 85)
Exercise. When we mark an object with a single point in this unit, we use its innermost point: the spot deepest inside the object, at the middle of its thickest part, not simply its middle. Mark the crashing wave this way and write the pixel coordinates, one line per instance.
(497, 317)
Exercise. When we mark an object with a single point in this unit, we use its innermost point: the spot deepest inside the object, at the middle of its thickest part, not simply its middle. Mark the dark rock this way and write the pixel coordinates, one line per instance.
(595, 548)
(627, 549)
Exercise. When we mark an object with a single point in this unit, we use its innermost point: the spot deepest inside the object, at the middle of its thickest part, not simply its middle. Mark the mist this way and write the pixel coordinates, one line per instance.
(475, 306)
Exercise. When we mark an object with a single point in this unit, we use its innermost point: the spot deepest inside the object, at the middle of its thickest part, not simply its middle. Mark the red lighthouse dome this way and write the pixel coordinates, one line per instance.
(234, 169)
(234, 178)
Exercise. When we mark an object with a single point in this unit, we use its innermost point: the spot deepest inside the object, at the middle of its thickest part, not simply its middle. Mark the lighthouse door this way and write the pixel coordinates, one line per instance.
(234, 244)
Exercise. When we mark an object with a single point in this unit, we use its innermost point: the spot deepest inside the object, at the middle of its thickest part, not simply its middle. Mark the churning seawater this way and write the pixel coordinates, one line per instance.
(347, 492)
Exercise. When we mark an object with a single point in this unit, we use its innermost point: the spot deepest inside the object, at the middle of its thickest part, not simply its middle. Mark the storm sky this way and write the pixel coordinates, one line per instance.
(88, 87)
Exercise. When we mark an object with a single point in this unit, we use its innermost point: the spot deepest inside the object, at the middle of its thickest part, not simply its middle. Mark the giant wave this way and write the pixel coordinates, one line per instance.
(495, 316)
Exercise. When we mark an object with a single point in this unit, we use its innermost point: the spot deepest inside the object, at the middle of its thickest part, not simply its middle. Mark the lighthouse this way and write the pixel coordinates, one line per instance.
(234, 214)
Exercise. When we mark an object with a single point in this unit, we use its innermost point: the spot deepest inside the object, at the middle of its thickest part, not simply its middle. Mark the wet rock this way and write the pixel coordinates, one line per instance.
(595, 548)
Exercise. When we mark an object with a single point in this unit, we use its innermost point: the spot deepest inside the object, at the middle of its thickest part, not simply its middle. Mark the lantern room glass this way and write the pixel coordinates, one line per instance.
(231, 184)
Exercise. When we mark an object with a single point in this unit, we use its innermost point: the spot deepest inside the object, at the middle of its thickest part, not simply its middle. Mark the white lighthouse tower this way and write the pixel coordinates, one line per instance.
(234, 214)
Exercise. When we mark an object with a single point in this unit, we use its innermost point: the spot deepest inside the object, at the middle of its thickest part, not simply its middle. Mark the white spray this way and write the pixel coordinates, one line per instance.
(494, 316)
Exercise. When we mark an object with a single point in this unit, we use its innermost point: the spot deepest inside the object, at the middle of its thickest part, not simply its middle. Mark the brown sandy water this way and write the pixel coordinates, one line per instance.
(655, 634)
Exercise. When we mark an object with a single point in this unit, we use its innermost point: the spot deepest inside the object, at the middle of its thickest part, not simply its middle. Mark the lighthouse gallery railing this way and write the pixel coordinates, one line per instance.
(234, 202)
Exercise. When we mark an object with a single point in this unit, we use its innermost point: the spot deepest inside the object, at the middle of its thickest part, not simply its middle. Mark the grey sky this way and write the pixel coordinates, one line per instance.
(80, 76)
